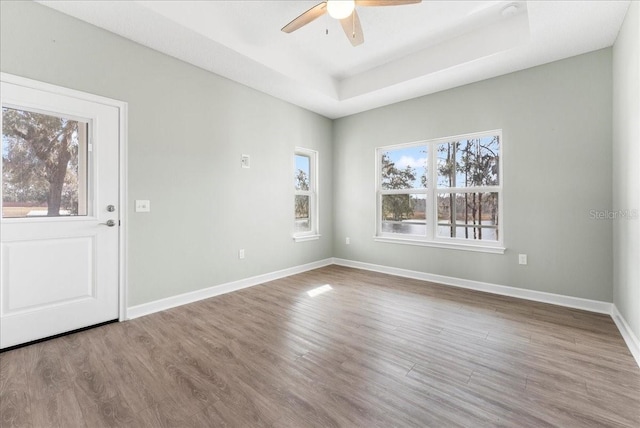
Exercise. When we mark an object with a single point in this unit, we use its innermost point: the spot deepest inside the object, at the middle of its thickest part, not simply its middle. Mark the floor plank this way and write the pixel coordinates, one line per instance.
(15, 397)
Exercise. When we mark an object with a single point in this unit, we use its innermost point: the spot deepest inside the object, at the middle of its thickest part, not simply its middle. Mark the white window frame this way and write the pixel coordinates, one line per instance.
(431, 239)
(312, 193)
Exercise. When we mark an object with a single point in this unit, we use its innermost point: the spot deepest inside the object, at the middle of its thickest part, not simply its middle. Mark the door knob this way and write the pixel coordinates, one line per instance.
(110, 223)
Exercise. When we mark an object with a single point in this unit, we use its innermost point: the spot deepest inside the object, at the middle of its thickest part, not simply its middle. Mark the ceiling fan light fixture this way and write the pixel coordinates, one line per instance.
(340, 9)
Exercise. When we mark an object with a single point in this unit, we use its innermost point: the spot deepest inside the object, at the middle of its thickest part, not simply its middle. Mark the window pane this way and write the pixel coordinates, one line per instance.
(404, 214)
(468, 216)
(446, 155)
(44, 165)
(404, 168)
(302, 172)
(468, 163)
(303, 221)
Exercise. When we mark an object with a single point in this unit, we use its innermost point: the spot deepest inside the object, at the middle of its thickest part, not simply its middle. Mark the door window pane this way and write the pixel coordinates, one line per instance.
(44, 165)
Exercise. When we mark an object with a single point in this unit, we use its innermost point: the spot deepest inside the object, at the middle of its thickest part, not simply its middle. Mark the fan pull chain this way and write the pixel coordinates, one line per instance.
(353, 24)
(326, 23)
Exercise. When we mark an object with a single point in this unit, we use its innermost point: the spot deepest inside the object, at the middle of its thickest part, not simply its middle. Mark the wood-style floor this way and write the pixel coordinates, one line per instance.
(375, 351)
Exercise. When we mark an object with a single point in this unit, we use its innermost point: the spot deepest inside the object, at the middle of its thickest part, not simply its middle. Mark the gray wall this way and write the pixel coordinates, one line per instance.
(556, 122)
(187, 131)
(626, 168)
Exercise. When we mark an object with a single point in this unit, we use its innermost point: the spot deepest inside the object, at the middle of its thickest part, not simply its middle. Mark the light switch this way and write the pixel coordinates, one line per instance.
(143, 206)
(245, 161)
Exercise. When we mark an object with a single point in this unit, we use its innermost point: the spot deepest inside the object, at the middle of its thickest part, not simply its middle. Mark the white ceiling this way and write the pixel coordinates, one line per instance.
(409, 50)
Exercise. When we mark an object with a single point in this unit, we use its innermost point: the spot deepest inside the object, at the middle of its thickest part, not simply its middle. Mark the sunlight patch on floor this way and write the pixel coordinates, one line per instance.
(319, 290)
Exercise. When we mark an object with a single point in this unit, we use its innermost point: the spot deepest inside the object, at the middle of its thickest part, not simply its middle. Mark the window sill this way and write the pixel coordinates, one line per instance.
(303, 238)
(439, 244)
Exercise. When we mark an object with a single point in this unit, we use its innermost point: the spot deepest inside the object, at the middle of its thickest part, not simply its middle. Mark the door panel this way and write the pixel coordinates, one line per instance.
(59, 258)
(29, 289)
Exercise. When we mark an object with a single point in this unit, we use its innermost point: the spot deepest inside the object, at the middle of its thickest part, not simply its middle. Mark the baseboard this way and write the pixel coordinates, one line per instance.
(538, 296)
(216, 290)
(627, 334)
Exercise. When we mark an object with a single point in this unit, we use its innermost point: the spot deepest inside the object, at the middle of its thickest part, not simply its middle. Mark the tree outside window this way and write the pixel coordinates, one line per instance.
(41, 164)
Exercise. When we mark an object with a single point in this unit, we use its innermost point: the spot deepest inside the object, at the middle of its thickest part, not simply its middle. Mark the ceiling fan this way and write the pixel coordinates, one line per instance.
(345, 12)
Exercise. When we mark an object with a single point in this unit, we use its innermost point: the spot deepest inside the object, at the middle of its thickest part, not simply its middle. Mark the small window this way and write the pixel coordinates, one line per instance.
(445, 192)
(305, 224)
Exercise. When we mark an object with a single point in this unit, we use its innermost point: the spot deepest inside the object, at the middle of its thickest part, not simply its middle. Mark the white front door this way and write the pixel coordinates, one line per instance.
(59, 242)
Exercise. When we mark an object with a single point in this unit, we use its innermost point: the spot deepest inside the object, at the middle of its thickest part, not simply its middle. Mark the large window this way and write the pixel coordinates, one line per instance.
(305, 195)
(445, 192)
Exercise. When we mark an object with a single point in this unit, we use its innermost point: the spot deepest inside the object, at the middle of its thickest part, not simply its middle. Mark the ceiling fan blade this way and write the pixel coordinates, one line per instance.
(310, 15)
(386, 2)
(353, 29)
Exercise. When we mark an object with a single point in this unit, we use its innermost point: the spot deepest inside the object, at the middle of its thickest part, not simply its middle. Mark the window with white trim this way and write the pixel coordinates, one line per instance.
(445, 192)
(305, 180)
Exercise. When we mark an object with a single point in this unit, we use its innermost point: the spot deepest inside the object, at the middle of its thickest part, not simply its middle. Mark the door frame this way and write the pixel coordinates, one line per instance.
(122, 107)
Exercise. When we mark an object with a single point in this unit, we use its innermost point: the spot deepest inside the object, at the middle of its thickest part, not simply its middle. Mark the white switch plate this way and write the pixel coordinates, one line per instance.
(143, 206)
(241, 253)
(522, 259)
(245, 161)
(347, 241)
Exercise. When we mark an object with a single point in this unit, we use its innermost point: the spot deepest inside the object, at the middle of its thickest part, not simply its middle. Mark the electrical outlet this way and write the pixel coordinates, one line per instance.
(241, 253)
(143, 206)
(522, 259)
(347, 241)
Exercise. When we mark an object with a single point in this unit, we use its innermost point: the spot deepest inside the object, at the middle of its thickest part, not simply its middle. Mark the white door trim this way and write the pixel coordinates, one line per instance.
(123, 169)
